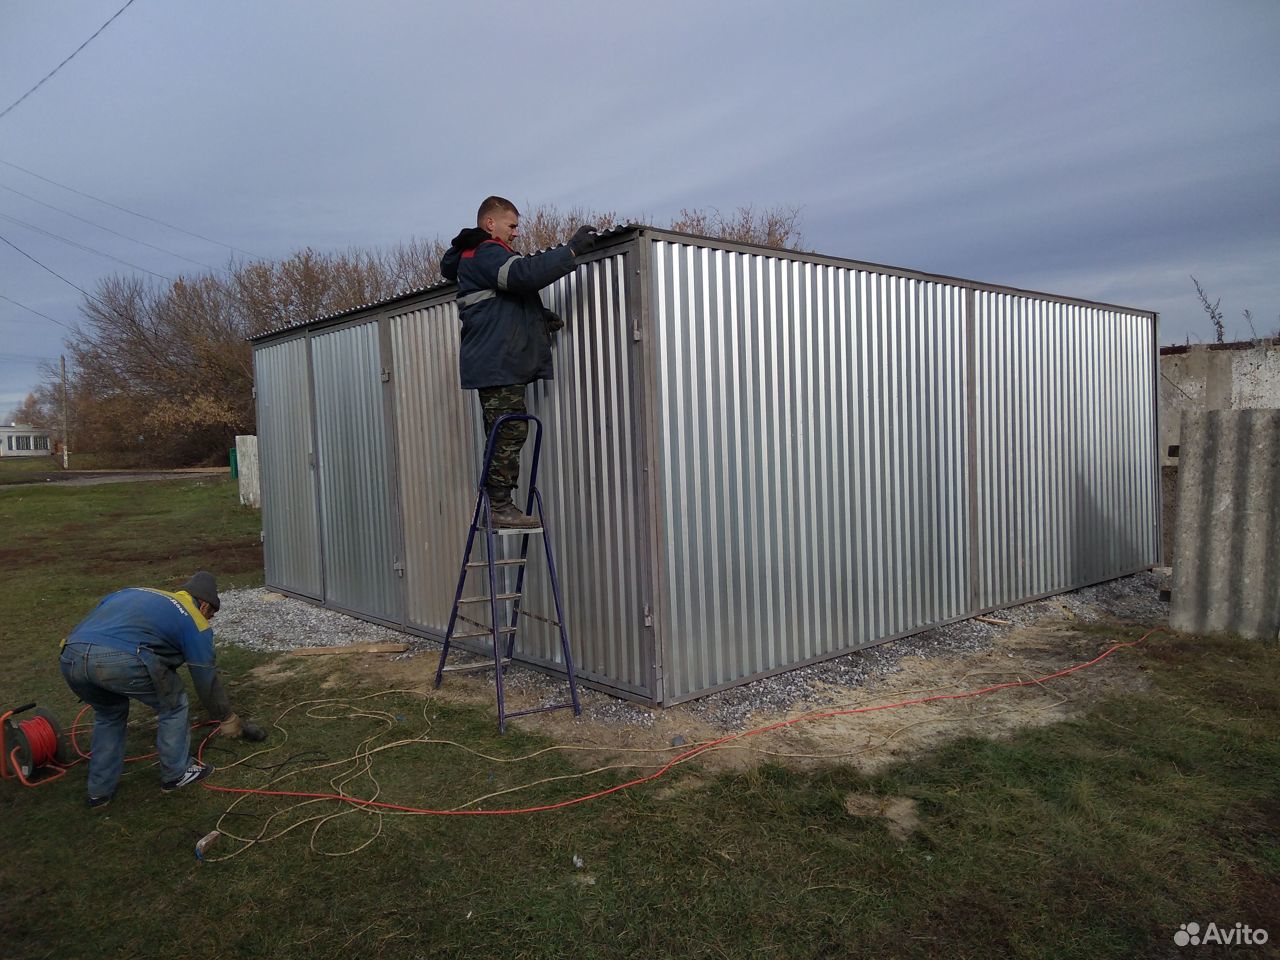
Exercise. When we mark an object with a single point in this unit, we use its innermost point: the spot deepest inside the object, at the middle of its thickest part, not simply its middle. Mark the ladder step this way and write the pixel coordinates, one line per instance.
(497, 563)
(525, 713)
(481, 633)
(472, 667)
(501, 596)
(510, 531)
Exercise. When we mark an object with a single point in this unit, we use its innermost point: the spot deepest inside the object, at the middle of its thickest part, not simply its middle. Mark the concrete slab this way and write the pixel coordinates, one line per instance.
(1226, 551)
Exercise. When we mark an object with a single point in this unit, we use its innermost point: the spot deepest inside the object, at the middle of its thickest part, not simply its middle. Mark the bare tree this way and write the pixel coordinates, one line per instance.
(32, 412)
(772, 227)
(1212, 309)
(547, 226)
(163, 373)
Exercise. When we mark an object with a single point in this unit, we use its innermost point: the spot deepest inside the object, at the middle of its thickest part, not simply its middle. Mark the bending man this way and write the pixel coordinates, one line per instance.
(130, 647)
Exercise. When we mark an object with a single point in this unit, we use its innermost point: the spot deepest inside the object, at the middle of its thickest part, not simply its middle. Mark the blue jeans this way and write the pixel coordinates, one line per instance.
(107, 679)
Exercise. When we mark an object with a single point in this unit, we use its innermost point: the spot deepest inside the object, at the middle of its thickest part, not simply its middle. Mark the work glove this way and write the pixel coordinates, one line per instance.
(233, 726)
(553, 320)
(584, 240)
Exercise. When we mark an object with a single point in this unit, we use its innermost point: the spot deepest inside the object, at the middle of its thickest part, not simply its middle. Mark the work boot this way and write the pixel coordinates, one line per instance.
(505, 514)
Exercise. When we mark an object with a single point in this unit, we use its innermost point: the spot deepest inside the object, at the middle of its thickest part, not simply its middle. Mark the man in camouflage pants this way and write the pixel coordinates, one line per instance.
(506, 332)
(504, 468)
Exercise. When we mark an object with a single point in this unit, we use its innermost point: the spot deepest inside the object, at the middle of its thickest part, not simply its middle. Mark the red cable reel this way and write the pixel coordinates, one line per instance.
(34, 751)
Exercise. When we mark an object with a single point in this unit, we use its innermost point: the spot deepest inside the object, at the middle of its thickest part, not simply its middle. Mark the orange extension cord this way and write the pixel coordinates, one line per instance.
(688, 754)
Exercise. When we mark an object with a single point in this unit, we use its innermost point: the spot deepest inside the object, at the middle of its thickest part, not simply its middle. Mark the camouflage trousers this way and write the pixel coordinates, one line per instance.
(504, 469)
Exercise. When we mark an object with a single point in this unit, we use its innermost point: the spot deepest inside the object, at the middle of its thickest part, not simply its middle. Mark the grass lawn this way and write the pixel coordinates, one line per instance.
(1095, 837)
(35, 469)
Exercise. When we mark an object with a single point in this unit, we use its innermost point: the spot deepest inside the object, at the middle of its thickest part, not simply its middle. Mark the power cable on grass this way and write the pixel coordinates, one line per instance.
(371, 805)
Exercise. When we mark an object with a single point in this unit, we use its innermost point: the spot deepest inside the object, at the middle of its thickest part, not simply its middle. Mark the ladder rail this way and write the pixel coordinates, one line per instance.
(482, 517)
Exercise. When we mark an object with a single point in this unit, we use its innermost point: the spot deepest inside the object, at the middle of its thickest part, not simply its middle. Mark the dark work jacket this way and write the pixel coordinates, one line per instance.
(505, 340)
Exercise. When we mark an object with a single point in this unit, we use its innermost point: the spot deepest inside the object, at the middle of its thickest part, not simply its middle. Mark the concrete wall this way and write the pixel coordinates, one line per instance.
(1226, 554)
(1228, 376)
(247, 464)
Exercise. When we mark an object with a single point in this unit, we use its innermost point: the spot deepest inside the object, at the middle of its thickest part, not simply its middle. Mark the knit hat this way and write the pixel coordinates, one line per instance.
(202, 586)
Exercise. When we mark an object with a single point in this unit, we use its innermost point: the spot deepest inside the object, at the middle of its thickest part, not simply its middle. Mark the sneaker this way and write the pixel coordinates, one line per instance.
(197, 771)
(95, 802)
(507, 514)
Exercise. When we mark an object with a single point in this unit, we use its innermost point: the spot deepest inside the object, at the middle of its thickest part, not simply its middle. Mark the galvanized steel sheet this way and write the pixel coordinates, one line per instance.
(811, 429)
(436, 429)
(589, 478)
(291, 536)
(1065, 426)
(356, 512)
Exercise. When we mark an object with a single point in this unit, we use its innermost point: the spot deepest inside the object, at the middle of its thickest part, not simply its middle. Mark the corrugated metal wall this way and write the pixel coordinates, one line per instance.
(812, 421)
(356, 512)
(1065, 427)
(816, 475)
(589, 477)
(840, 454)
(291, 537)
(593, 481)
(436, 429)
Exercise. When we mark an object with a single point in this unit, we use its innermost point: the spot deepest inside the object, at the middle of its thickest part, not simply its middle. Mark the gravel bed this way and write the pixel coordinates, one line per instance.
(260, 619)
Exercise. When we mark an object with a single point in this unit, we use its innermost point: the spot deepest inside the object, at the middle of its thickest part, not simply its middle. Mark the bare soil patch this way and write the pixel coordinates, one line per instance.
(820, 733)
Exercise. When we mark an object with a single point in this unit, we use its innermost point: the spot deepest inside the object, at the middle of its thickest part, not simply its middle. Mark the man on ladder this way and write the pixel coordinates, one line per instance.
(506, 332)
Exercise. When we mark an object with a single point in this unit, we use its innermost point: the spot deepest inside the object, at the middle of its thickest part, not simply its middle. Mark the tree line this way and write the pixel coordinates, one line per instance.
(161, 374)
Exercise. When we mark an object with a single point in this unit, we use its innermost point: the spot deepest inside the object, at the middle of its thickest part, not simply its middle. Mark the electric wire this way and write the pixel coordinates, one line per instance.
(361, 761)
(34, 310)
(132, 213)
(82, 246)
(6, 110)
(116, 233)
(4, 239)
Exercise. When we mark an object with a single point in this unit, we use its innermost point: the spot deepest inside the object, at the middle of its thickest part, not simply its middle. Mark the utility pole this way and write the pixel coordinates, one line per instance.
(66, 442)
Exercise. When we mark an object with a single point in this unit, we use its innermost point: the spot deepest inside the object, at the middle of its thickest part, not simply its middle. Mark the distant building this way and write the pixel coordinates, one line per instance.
(19, 440)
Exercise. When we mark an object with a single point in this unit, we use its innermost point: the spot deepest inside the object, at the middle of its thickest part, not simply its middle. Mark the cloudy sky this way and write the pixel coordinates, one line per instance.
(1097, 148)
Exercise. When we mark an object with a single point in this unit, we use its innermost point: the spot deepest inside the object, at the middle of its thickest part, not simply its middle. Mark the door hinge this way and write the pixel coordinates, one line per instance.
(398, 567)
(386, 375)
(648, 616)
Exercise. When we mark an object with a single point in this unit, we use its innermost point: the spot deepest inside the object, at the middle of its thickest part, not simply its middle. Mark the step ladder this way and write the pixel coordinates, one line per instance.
(502, 634)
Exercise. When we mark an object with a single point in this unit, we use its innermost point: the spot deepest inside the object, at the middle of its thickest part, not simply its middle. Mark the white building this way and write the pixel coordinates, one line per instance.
(19, 440)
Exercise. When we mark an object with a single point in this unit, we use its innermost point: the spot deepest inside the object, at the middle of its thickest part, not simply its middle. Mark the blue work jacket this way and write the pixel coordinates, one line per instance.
(505, 339)
(165, 630)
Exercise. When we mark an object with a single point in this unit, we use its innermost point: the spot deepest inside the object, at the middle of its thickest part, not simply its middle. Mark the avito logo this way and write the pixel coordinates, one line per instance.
(1190, 935)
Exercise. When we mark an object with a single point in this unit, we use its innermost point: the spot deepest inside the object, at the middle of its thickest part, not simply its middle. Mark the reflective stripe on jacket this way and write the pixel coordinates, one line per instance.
(504, 332)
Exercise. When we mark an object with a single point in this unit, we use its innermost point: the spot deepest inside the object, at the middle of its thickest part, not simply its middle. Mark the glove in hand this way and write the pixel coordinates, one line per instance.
(584, 240)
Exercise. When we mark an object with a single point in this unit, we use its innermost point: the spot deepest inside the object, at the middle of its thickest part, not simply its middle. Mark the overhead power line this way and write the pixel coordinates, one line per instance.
(33, 309)
(6, 240)
(132, 213)
(115, 233)
(81, 246)
(6, 110)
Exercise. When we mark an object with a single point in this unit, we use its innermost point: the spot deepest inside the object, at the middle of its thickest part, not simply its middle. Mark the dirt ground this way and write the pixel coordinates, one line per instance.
(868, 739)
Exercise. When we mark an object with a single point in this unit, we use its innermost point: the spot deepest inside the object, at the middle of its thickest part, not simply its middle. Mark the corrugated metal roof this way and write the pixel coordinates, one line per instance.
(406, 295)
